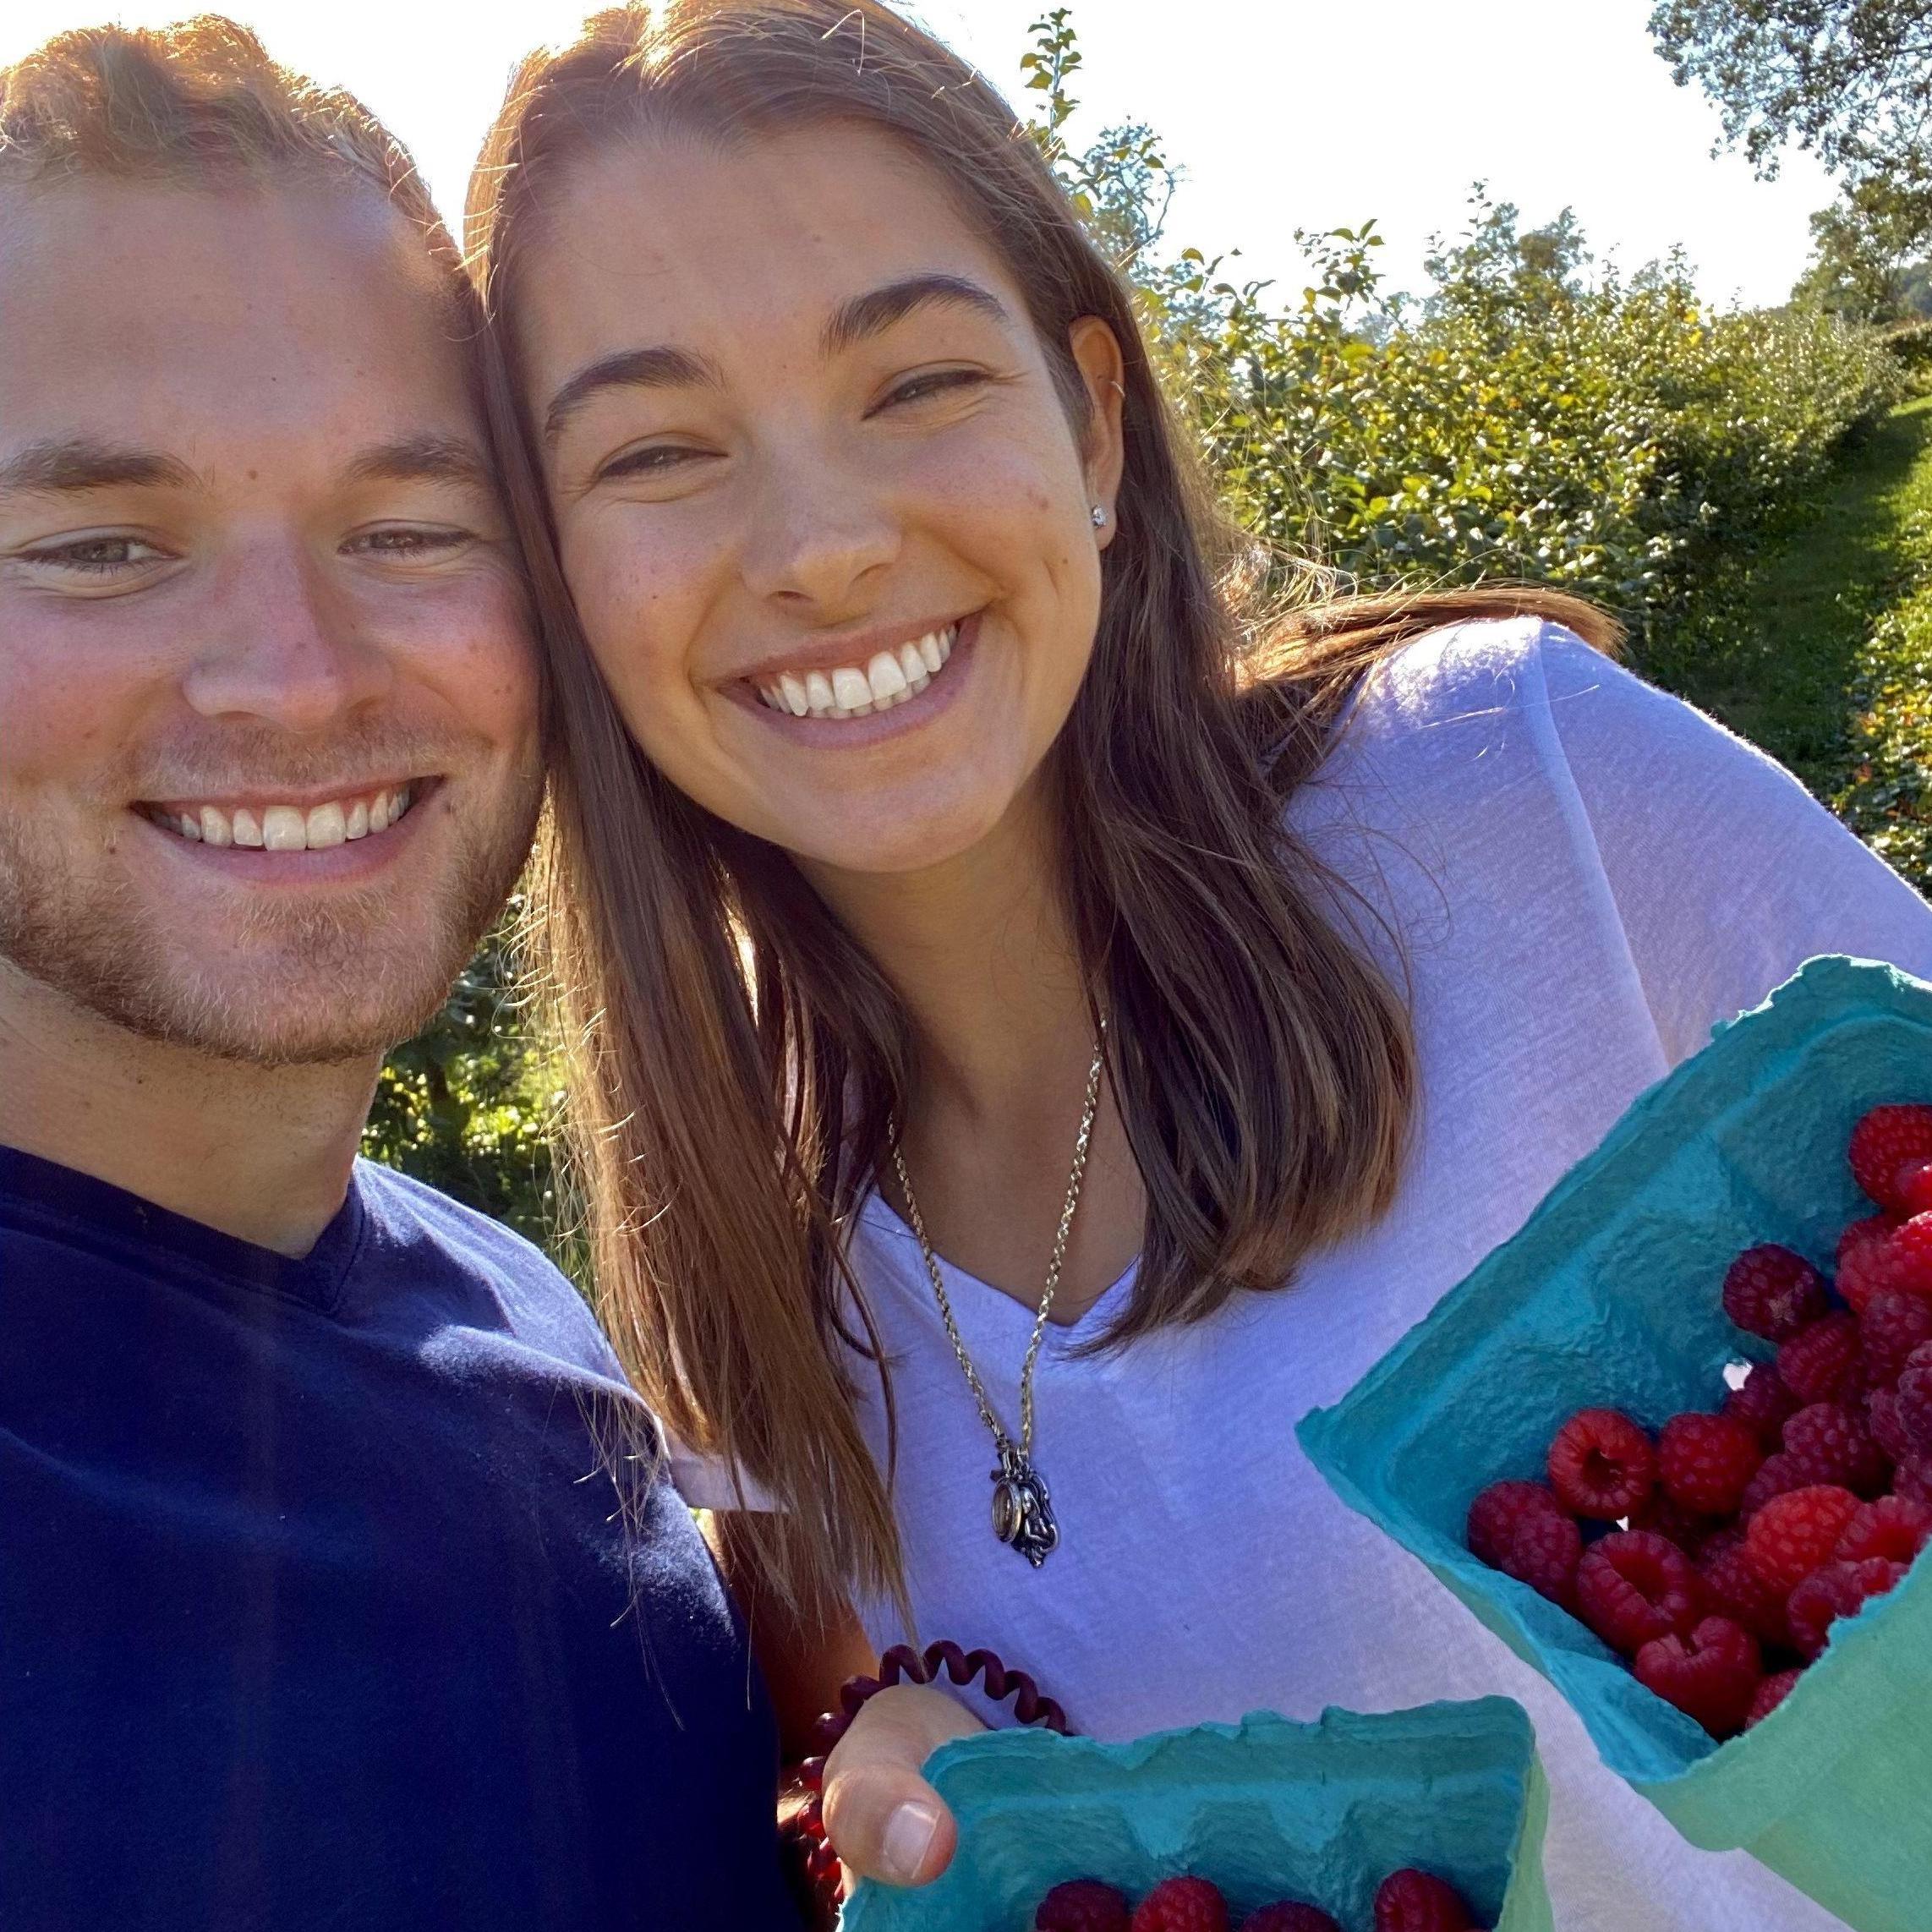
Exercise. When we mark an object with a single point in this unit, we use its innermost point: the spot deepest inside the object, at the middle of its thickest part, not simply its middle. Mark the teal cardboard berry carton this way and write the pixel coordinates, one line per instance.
(1266, 1809)
(1609, 1296)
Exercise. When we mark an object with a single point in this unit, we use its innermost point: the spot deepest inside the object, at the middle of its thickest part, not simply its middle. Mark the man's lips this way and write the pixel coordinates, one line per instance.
(285, 823)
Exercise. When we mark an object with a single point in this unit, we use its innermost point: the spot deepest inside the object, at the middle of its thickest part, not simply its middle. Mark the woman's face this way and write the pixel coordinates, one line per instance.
(827, 522)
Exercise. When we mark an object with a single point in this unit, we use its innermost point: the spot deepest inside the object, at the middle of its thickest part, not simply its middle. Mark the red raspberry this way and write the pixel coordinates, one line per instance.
(1882, 1418)
(1913, 1479)
(1913, 1187)
(1685, 1527)
(1882, 1142)
(1704, 1461)
(1777, 1476)
(1893, 1323)
(1829, 1442)
(1601, 1465)
(1862, 1267)
(1771, 1693)
(1895, 1527)
(1912, 1401)
(1770, 1291)
(1824, 1363)
(1713, 1674)
(1839, 1589)
(1520, 1528)
(1633, 1586)
(1182, 1905)
(1735, 1591)
(1288, 1917)
(1081, 1905)
(1905, 1258)
(1795, 1534)
(1412, 1901)
(1761, 1403)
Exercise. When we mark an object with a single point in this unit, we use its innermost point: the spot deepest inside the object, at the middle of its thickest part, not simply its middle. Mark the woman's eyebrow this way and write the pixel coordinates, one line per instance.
(661, 367)
(878, 308)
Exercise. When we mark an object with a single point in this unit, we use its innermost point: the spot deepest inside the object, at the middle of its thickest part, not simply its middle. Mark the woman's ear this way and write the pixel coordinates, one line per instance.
(1097, 353)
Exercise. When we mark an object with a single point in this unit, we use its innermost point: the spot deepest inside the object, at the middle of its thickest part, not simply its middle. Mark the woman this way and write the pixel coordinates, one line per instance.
(1030, 1016)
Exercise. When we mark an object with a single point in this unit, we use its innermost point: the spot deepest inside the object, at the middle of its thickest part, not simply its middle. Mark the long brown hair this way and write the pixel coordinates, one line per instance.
(738, 1060)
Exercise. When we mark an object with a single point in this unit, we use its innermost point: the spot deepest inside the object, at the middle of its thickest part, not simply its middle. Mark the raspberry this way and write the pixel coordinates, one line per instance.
(1839, 1589)
(1777, 1476)
(1288, 1917)
(1761, 1403)
(1520, 1528)
(1824, 1363)
(1412, 1901)
(1882, 1418)
(1893, 1323)
(1712, 1674)
(1771, 1693)
(1735, 1591)
(1771, 1291)
(1633, 1586)
(1704, 1461)
(1882, 1142)
(1181, 1905)
(1795, 1534)
(1831, 1443)
(1685, 1527)
(1912, 1401)
(1913, 1479)
(1913, 1187)
(1081, 1905)
(1601, 1465)
(1895, 1527)
(1905, 1258)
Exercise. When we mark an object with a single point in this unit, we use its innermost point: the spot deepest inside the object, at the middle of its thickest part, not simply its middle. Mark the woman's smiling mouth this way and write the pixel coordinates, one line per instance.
(885, 679)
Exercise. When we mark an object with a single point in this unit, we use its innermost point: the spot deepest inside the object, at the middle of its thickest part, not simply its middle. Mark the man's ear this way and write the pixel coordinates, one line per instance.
(1097, 354)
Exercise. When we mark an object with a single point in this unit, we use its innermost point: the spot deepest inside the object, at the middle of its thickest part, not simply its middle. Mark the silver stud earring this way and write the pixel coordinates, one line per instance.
(1099, 516)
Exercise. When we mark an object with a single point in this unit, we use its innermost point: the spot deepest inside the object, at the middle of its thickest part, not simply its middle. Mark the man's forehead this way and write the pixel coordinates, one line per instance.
(139, 312)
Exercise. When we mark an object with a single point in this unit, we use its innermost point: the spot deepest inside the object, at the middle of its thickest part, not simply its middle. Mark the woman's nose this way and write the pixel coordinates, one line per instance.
(819, 533)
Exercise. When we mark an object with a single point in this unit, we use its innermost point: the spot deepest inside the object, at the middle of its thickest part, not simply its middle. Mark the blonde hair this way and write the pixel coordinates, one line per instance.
(738, 1060)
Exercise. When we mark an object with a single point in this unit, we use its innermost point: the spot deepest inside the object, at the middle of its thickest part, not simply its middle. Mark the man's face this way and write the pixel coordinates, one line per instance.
(268, 758)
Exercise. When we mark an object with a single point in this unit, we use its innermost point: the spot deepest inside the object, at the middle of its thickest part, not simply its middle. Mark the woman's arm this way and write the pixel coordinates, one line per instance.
(881, 1816)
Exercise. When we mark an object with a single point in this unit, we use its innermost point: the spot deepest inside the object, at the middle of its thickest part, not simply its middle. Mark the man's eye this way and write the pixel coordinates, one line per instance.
(934, 382)
(95, 556)
(409, 542)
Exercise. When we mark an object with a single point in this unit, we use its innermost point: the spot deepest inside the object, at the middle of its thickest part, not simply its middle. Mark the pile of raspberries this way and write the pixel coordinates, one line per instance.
(1716, 1555)
(1408, 1901)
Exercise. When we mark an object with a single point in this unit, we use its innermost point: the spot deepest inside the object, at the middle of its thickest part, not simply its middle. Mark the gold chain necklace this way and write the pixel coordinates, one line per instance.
(1022, 1512)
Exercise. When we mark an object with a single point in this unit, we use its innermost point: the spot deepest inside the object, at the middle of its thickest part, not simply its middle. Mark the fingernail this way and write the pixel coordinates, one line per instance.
(909, 1835)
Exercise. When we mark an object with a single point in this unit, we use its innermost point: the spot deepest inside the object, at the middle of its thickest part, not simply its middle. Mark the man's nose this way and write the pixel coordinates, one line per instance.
(282, 646)
(818, 532)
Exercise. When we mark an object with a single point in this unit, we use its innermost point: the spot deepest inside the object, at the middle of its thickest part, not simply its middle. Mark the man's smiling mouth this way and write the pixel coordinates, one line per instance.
(283, 827)
(856, 691)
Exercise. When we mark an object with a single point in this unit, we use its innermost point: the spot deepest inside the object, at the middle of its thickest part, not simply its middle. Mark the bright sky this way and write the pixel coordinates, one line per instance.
(1283, 113)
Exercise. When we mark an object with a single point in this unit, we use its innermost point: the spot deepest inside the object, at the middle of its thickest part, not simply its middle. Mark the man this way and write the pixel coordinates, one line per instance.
(320, 1602)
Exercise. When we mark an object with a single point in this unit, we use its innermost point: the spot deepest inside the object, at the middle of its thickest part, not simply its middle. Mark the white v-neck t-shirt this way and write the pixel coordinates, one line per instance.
(1586, 875)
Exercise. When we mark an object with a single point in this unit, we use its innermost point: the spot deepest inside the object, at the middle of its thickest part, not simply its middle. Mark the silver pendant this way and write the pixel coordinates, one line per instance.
(1022, 1511)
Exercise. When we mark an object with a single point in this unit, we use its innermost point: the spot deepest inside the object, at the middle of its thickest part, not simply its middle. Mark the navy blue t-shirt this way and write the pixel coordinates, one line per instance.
(318, 1607)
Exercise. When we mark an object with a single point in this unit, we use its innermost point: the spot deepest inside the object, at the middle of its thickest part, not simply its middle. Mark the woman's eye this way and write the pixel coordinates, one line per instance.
(654, 459)
(934, 382)
(95, 556)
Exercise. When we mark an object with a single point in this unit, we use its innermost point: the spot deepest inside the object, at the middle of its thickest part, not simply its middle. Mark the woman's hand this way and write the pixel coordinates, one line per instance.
(882, 1817)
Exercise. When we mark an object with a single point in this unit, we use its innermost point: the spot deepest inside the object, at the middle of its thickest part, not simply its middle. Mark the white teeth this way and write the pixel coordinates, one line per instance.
(796, 700)
(356, 824)
(850, 692)
(328, 825)
(214, 826)
(247, 831)
(887, 681)
(379, 812)
(930, 653)
(284, 830)
(914, 666)
(818, 692)
(190, 826)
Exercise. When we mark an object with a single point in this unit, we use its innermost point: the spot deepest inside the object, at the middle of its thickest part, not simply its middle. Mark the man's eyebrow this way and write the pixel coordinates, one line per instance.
(72, 465)
(429, 458)
(878, 308)
(661, 367)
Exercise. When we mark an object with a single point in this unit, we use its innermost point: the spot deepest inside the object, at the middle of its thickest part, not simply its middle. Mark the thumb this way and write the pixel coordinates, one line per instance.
(882, 1817)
